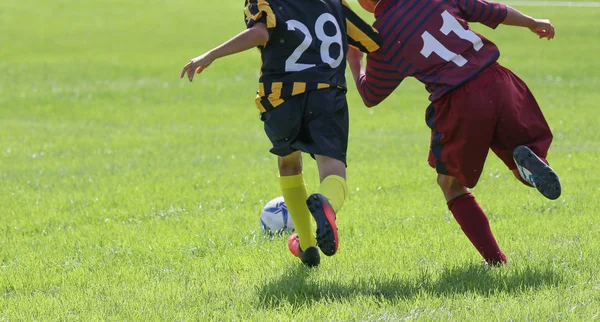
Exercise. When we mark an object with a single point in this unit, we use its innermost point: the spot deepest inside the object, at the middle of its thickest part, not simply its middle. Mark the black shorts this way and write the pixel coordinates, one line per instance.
(315, 122)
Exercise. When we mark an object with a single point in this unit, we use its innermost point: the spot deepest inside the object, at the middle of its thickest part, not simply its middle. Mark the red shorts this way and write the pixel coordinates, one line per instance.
(494, 109)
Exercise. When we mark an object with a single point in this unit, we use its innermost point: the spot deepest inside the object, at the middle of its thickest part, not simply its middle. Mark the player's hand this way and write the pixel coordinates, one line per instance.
(543, 28)
(197, 65)
(354, 55)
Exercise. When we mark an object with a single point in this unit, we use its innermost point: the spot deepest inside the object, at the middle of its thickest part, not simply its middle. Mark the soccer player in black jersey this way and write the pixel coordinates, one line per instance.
(302, 101)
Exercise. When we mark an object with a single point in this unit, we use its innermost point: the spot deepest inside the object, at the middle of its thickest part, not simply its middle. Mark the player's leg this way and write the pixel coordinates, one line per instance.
(471, 218)
(462, 124)
(332, 174)
(282, 126)
(328, 202)
(523, 137)
(302, 243)
(451, 187)
(295, 194)
(326, 120)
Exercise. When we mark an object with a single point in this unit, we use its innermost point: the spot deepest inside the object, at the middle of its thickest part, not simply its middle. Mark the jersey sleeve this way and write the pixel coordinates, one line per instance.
(360, 34)
(490, 14)
(379, 80)
(259, 11)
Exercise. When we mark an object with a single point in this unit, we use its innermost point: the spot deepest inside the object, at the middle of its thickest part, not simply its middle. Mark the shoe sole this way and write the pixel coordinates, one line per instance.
(327, 236)
(545, 179)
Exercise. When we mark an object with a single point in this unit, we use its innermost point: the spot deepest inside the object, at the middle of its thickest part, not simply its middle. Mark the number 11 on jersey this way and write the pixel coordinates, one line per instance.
(450, 24)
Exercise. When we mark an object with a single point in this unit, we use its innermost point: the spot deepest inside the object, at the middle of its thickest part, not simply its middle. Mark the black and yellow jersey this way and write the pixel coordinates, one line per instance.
(307, 45)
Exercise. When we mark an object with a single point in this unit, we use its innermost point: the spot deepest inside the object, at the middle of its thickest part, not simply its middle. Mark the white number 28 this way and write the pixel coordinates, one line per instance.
(292, 65)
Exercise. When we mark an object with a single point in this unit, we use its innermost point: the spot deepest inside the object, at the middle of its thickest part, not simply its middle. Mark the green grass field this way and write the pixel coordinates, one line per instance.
(129, 194)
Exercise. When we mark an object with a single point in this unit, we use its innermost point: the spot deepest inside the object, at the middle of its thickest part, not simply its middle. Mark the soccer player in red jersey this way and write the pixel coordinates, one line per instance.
(476, 104)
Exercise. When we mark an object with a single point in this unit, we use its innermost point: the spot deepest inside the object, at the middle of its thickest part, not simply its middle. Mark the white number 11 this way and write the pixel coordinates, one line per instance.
(450, 24)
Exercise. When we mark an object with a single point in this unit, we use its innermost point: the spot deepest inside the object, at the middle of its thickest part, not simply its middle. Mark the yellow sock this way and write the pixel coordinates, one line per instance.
(334, 188)
(295, 195)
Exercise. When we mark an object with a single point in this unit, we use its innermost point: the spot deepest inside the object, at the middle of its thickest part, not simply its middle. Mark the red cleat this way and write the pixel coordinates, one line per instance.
(322, 212)
(309, 257)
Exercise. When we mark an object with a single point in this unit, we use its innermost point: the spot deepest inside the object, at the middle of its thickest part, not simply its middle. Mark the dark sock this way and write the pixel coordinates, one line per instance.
(474, 223)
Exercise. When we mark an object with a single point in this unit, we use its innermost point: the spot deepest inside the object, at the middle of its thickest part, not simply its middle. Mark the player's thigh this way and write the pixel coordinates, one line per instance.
(326, 122)
(283, 125)
(520, 122)
(462, 125)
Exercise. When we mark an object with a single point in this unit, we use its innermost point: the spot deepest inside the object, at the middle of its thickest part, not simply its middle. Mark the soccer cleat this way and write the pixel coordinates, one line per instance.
(536, 172)
(322, 212)
(310, 257)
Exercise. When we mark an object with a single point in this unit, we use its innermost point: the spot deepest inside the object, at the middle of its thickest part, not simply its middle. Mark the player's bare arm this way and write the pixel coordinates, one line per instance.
(355, 62)
(252, 37)
(542, 27)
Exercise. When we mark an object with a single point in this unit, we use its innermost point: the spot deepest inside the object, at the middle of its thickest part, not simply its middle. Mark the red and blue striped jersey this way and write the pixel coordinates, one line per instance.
(431, 41)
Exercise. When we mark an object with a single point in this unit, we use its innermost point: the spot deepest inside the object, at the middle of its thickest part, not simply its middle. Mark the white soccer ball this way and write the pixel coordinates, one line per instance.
(275, 218)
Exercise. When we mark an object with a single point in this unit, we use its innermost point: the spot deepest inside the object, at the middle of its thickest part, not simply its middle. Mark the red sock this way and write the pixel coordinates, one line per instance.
(475, 225)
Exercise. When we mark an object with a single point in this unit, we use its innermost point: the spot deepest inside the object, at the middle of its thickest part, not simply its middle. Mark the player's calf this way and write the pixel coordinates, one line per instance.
(537, 173)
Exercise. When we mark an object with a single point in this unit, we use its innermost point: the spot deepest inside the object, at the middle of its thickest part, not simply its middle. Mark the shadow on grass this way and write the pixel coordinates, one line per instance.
(298, 288)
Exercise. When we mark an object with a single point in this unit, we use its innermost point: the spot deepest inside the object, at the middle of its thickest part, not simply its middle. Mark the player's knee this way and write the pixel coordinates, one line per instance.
(289, 169)
(450, 186)
(446, 182)
(290, 165)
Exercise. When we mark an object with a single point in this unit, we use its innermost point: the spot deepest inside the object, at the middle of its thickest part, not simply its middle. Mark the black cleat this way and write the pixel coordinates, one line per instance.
(322, 212)
(536, 172)
(310, 257)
